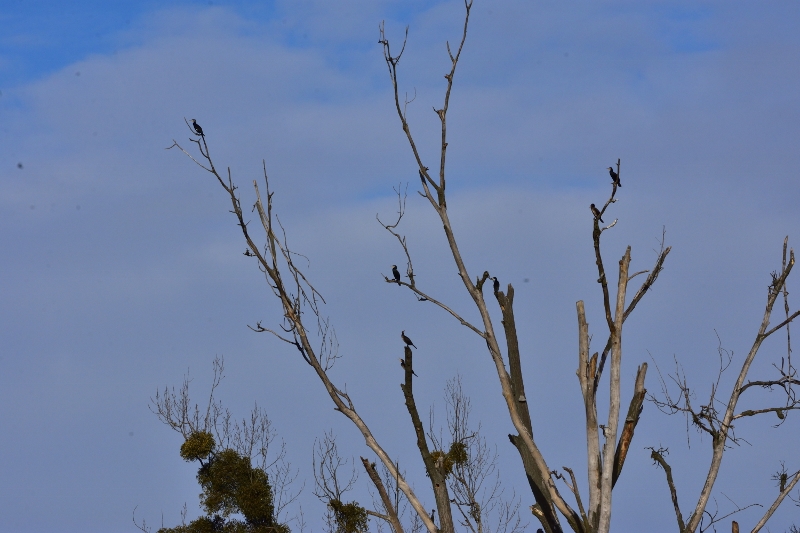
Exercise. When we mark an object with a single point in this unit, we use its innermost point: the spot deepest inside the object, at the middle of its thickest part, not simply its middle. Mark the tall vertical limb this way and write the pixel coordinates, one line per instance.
(435, 471)
(587, 368)
(537, 479)
(604, 522)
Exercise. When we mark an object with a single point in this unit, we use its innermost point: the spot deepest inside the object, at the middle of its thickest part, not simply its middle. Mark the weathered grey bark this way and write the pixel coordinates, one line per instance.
(604, 522)
(587, 369)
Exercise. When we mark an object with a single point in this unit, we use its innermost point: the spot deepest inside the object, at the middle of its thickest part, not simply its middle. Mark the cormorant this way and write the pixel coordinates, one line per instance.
(406, 339)
(496, 285)
(396, 274)
(403, 364)
(614, 177)
(197, 128)
(596, 213)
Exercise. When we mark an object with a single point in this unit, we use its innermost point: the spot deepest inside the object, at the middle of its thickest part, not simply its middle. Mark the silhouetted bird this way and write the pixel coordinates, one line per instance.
(596, 213)
(422, 175)
(197, 128)
(396, 274)
(496, 285)
(406, 339)
(403, 364)
(614, 177)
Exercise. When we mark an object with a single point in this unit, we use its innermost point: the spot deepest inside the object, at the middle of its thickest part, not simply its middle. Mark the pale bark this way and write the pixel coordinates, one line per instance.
(721, 435)
(604, 521)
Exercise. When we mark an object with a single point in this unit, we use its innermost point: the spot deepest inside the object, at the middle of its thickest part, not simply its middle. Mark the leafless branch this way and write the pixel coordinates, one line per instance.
(421, 296)
(786, 488)
(297, 297)
(658, 457)
(390, 508)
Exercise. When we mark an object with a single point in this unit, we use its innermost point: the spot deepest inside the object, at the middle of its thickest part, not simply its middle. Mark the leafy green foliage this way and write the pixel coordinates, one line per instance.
(350, 517)
(198, 446)
(457, 455)
(231, 486)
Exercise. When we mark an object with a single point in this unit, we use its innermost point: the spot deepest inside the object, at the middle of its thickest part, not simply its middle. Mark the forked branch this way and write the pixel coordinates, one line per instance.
(275, 259)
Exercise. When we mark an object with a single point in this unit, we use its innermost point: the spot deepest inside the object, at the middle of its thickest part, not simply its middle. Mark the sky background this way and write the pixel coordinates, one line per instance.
(122, 269)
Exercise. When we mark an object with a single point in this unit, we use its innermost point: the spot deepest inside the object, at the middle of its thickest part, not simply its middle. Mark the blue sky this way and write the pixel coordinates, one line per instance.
(122, 267)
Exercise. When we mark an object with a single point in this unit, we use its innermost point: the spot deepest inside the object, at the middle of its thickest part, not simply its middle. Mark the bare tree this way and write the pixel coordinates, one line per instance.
(457, 483)
(604, 465)
(716, 416)
(474, 480)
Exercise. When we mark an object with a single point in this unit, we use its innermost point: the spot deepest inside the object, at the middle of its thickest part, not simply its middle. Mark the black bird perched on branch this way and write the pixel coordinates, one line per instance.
(396, 274)
(406, 339)
(403, 364)
(596, 213)
(614, 177)
(197, 128)
(421, 175)
(496, 285)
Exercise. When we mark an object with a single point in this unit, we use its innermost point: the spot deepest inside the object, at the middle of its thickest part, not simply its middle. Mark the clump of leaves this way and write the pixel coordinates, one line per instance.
(457, 455)
(350, 517)
(231, 486)
(198, 446)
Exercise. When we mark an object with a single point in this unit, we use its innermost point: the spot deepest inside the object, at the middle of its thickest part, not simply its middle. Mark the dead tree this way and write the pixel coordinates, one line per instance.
(605, 465)
(304, 324)
(717, 417)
